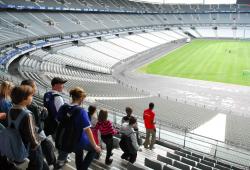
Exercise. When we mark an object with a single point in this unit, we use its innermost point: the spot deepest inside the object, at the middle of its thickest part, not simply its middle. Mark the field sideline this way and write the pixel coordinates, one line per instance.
(226, 61)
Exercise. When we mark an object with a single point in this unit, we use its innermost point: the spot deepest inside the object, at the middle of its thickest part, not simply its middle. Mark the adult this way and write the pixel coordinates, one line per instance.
(5, 102)
(149, 122)
(53, 100)
(84, 136)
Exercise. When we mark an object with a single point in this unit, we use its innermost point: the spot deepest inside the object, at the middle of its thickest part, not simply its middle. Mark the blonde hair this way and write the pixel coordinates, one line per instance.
(77, 93)
(5, 89)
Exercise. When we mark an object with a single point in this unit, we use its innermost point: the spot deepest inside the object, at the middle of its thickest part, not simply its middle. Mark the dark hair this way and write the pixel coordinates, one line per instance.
(28, 82)
(103, 115)
(129, 110)
(151, 105)
(77, 93)
(91, 110)
(21, 93)
(132, 120)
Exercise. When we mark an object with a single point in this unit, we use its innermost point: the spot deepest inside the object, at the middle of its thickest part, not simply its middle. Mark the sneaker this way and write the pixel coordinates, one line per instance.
(98, 156)
(108, 161)
(68, 160)
(151, 148)
(24, 164)
(60, 164)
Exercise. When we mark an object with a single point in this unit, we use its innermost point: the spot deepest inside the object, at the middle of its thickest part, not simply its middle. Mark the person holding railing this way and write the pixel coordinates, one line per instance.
(149, 122)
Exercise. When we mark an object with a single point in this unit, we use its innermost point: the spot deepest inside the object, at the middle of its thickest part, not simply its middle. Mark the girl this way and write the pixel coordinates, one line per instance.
(107, 132)
(5, 102)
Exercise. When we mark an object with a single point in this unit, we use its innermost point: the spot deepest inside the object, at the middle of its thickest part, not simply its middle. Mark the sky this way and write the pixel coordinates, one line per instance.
(189, 1)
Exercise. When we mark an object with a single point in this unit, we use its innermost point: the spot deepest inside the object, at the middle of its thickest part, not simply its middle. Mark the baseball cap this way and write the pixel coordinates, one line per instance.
(57, 80)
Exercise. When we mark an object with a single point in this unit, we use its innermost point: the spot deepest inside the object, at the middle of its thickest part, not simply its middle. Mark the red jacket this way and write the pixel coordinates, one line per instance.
(149, 118)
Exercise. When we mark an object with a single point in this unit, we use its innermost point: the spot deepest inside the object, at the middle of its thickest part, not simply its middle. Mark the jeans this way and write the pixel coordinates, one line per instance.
(108, 140)
(84, 164)
(129, 157)
(62, 156)
(152, 133)
(36, 160)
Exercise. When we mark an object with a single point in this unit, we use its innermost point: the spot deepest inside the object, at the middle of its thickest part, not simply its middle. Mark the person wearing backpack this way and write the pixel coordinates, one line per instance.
(107, 131)
(40, 114)
(5, 102)
(128, 142)
(126, 118)
(21, 97)
(74, 133)
(53, 100)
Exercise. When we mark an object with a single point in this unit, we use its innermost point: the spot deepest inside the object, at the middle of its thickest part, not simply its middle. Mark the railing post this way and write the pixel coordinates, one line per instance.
(184, 143)
(215, 152)
(159, 133)
(114, 118)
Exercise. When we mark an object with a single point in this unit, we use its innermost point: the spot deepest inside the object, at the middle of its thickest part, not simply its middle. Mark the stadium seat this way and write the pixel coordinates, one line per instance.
(207, 163)
(221, 167)
(180, 153)
(154, 164)
(185, 151)
(188, 161)
(181, 165)
(136, 166)
(193, 158)
(197, 155)
(195, 168)
(173, 156)
(223, 164)
(170, 167)
(165, 159)
(209, 159)
(204, 167)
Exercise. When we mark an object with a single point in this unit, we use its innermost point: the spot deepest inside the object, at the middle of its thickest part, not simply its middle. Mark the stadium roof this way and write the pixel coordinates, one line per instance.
(188, 1)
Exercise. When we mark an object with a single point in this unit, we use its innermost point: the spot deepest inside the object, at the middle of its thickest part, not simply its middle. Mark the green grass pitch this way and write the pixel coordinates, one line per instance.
(226, 61)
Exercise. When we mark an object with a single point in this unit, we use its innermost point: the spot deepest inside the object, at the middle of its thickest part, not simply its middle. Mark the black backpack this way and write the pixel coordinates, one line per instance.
(67, 135)
(50, 123)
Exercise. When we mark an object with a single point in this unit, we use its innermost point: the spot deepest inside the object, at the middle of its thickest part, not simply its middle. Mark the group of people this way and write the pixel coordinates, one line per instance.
(72, 128)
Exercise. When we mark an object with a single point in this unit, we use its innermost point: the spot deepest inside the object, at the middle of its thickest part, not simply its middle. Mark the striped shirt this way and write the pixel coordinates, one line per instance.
(105, 127)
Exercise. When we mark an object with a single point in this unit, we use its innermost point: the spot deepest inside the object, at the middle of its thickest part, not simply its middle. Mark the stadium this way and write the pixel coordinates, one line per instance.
(191, 59)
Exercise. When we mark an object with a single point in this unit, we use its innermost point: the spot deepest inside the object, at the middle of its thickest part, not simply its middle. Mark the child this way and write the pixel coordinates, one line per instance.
(107, 132)
(128, 141)
(93, 120)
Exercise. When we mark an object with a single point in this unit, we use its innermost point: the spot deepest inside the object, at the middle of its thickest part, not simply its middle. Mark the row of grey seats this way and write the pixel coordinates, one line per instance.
(185, 160)
(206, 160)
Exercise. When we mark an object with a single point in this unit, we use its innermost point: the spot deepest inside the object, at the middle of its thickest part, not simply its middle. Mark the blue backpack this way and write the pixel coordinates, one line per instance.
(11, 144)
(50, 123)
